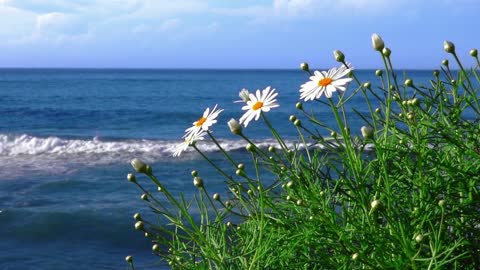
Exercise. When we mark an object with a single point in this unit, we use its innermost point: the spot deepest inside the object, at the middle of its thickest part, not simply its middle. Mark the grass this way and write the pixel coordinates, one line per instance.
(401, 193)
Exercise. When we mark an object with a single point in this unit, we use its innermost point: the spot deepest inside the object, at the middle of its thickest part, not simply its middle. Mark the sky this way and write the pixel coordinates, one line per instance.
(233, 33)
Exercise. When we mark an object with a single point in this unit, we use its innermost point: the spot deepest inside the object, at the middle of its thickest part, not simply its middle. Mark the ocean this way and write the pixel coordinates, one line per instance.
(67, 137)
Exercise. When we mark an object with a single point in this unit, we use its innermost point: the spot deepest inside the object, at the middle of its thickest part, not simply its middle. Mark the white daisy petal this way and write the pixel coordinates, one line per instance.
(325, 82)
(262, 101)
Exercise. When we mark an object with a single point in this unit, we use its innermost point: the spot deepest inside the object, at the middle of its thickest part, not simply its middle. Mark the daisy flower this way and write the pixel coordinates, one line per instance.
(204, 122)
(325, 82)
(260, 102)
(189, 140)
(243, 94)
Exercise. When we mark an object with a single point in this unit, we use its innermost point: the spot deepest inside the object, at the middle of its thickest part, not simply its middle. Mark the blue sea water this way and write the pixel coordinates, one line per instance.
(67, 136)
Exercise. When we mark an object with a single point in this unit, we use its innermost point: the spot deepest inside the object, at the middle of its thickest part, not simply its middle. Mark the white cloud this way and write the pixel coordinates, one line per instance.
(169, 25)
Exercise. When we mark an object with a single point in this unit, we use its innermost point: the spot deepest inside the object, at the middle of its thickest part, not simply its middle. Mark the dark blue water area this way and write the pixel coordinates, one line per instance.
(67, 136)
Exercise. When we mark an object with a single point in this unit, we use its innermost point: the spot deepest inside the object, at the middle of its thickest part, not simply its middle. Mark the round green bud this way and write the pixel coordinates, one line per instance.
(216, 197)
(271, 149)
(391, 87)
(339, 56)
(377, 110)
(415, 101)
(131, 177)
(404, 102)
(160, 189)
(229, 224)
(292, 118)
(137, 217)
(410, 116)
(445, 62)
(419, 238)
(250, 147)
(228, 204)
(436, 73)
(194, 173)
(333, 134)
(138, 165)
(449, 46)
(453, 82)
(250, 192)
(289, 184)
(378, 72)
(240, 172)
(198, 182)
(297, 123)
(409, 82)
(376, 204)
(367, 132)
(129, 259)
(144, 197)
(147, 235)
(474, 53)
(299, 202)
(139, 226)
(386, 52)
(355, 256)
(367, 85)
(441, 203)
(299, 106)
(155, 248)
(304, 67)
(288, 198)
(241, 166)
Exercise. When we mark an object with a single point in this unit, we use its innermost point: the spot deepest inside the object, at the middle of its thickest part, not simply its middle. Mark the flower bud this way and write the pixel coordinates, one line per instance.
(299, 202)
(292, 118)
(194, 173)
(436, 73)
(289, 184)
(415, 101)
(244, 95)
(449, 46)
(228, 204)
(155, 248)
(131, 177)
(367, 132)
(297, 123)
(299, 106)
(235, 127)
(355, 256)
(377, 43)
(304, 67)
(445, 62)
(129, 259)
(198, 182)
(474, 53)
(333, 134)
(241, 166)
(138, 165)
(419, 238)
(288, 198)
(367, 85)
(139, 226)
(240, 172)
(441, 203)
(453, 82)
(377, 110)
(147, 235)
(144, 197)
(409, 82)
(378, 72)
(405, 102)
(137, 217)
(376, 204)
(271, 149)
(216, 197)
(339, 56)
(250, 147)
(386, 52)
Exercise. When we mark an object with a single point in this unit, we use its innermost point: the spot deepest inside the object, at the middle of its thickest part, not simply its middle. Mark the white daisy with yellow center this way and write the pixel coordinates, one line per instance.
(260, 102)
(325, 82)
(203, 123)
(189, 140)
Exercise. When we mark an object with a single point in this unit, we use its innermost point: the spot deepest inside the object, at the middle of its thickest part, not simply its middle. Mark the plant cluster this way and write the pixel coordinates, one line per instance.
(400, 193)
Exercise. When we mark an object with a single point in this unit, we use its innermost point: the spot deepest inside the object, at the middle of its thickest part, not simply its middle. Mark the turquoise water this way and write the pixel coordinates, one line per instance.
(67, 136)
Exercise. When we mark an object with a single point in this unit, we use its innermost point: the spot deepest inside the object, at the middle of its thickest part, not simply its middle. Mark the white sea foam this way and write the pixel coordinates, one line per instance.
(22, 154)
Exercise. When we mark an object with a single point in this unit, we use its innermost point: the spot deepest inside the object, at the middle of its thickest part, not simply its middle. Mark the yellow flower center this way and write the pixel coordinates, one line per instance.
(257, 105)
(325, 81)
(200, 121)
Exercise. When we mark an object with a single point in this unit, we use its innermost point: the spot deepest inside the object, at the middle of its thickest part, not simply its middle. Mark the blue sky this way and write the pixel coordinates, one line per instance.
(232, 33)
